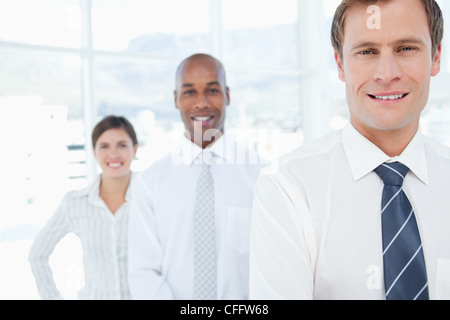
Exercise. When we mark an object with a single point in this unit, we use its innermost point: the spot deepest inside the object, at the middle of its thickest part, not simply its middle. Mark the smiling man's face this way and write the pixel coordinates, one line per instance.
(202, 96)
(387, 70)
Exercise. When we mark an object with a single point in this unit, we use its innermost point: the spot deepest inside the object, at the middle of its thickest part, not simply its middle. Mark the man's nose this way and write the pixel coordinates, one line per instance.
(388, 68)
(201, 101)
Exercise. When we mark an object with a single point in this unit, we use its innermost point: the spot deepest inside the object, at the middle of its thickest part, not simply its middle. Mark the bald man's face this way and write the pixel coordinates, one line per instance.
(202, 97)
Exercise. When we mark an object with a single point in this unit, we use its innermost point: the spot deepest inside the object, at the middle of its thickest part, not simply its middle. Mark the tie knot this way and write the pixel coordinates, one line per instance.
(392, 174)
(208, 157)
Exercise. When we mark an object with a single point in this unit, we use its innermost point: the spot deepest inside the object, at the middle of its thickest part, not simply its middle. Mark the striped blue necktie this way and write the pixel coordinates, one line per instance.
(404, 264)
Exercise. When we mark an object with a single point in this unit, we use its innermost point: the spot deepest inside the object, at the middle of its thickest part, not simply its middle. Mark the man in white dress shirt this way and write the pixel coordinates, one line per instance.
(161, 238)
(316, 224)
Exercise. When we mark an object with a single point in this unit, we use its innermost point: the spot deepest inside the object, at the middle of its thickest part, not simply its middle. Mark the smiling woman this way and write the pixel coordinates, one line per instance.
(115, 145)
(98, 216)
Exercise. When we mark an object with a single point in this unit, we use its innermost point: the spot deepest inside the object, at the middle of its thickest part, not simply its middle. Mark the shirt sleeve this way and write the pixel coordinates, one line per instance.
(145, 254)
(43, 245)
(282, 249)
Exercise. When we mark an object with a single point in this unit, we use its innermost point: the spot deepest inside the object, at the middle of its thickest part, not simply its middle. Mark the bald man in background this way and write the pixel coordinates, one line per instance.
(162, 241)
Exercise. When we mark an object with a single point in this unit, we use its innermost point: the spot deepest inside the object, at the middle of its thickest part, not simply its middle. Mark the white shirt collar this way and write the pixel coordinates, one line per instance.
(93, 191)
(190, 153)
(364, 156)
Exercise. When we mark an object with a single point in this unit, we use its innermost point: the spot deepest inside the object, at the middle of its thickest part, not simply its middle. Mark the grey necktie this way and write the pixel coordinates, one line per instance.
(205, 287)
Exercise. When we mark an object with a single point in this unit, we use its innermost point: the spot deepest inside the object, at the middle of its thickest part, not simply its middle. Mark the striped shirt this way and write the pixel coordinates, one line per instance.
(103, 237)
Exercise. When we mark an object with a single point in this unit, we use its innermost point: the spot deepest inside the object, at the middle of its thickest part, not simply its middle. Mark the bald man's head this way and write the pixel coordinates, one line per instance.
(201, 95)
(203, 59)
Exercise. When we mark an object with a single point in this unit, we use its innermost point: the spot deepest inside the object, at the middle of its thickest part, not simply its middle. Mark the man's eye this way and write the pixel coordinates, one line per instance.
(366, 52)
(187, 92)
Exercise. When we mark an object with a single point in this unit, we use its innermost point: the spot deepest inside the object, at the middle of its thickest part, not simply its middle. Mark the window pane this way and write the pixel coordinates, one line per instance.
(170, 28)
(260, 33)
(144, 94)
(41, 98)
(40, 104)
(43, 22)
(267, 107)
(436, 116)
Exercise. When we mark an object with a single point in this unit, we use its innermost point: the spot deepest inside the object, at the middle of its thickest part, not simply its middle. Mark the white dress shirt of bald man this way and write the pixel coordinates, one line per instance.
(161, 241)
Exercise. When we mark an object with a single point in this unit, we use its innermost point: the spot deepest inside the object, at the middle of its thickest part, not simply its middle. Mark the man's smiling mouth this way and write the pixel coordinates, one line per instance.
(202, 118)
(391, 97)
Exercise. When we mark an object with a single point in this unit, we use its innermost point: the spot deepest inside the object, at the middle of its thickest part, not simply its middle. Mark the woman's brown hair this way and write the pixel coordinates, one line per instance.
(113, 122)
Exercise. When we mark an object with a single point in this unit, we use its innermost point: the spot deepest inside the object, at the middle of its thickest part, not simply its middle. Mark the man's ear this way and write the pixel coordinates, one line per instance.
(175, 98)
(339, 66)
(227, 94)
(436, 66)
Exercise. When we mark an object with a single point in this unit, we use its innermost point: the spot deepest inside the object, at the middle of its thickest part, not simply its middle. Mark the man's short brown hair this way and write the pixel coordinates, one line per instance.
(432, 9)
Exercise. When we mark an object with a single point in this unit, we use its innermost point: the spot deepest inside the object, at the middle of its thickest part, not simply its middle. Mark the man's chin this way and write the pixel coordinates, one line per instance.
(206, 135)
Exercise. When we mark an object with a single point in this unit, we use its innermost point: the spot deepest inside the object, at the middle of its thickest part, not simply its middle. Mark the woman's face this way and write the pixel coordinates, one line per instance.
(114, 151)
